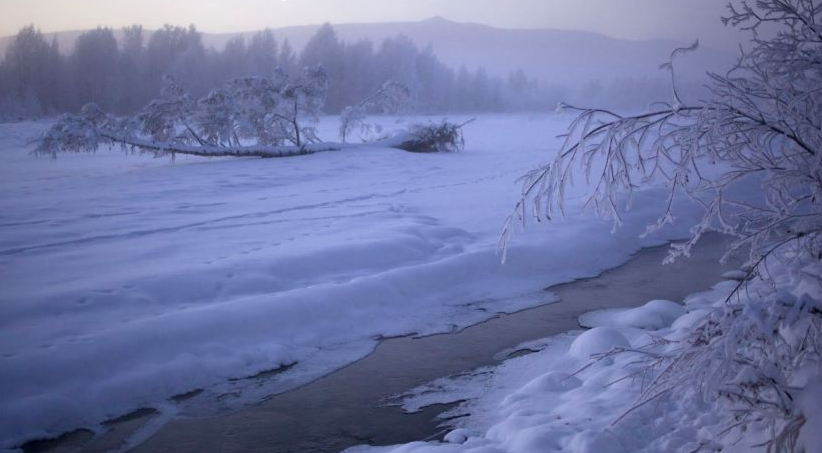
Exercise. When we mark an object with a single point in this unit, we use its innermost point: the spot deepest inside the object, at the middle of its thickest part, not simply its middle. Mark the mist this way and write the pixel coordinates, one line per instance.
(449, 67)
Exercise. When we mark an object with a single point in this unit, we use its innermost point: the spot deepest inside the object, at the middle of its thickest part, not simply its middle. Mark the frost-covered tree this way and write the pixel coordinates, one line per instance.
(131, 71)
(287, 59)
(751, 156)
(250, 116)
(161, 118)
(30, 75)
(177, 51)
(94, 68)
(436, 82)
(392, 97)
(262, 54)
(232, 62)
(303, 101)
(325, 48)
(123, 76)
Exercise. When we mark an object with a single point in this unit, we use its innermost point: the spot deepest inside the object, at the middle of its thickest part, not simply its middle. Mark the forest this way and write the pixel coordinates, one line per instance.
(38, 78)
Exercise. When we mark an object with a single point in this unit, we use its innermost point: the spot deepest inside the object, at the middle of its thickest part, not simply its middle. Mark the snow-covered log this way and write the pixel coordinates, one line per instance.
(81, 133)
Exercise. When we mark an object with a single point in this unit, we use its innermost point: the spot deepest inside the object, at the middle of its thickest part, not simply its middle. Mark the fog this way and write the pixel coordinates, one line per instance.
(449, 67)
(473, 56)
(629, 19)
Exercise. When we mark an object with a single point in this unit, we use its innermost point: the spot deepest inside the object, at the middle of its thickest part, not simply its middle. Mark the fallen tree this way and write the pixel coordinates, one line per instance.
(252, 116)
(247, 117)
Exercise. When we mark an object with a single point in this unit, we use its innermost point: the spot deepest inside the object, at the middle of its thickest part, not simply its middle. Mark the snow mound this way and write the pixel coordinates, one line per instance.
(593, 442)
(654, 315)
(457, 436)
(687, 321)
(596, 341)
(739, 275)
(552, 381)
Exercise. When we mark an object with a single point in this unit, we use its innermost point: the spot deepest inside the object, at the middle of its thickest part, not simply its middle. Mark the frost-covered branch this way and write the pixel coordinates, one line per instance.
(761, 126)
(751, 157)
(392, 97)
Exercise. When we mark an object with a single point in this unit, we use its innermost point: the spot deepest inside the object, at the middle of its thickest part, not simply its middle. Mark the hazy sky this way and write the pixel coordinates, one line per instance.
(634, 19)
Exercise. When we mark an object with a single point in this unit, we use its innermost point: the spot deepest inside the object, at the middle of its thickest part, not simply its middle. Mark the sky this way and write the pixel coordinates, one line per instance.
(683, 20)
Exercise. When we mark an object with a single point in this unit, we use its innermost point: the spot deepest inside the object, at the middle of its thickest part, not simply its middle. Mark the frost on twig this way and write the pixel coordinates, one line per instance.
(392, 97)
(761, 128)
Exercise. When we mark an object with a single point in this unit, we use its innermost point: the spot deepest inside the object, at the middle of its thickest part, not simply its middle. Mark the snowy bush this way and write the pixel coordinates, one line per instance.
(442, 137)
(760, 351)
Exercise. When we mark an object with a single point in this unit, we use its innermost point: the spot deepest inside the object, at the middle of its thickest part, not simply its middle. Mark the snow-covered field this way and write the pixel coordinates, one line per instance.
(126, 280)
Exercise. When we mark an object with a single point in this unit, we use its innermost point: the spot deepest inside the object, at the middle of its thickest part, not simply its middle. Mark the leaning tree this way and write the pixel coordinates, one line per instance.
(250, 116)
(246, 117)
(392, 97)
(751, 156)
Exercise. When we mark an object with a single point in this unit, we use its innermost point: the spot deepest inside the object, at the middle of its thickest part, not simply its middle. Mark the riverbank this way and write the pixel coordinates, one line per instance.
(352, 405)
(129, 282)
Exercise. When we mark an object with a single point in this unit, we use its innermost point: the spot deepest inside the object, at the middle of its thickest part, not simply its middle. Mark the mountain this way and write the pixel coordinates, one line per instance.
(564, 57)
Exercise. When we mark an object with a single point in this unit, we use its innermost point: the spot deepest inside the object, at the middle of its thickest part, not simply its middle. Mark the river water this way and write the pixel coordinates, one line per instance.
(348, 407)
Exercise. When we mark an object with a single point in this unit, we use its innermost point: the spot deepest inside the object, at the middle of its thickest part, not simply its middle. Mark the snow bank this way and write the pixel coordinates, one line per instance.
(655, 314)
(597, 341)
(558, 399)
(126, 280)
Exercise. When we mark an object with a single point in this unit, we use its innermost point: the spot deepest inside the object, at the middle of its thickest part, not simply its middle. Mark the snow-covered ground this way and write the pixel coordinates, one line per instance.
(582, 391)
(126, 280)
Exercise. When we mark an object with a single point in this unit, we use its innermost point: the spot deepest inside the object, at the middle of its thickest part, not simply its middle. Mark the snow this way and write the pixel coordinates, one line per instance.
(126, 280)
(809, 403)
(655, 314)
(597, 341)
(562, 399)
(735, 275)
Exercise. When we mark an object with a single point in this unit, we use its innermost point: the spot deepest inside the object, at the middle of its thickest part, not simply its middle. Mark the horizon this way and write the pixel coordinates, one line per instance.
(661, 20)
(337, 24)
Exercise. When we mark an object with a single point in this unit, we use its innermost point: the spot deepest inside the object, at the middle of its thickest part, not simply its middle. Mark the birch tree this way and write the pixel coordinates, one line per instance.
(251, 116)
(762, 127)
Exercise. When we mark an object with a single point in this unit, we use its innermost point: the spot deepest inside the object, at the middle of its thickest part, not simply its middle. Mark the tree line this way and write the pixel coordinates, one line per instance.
(121, 76)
